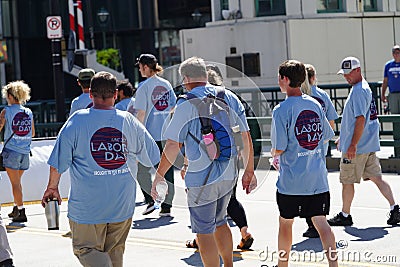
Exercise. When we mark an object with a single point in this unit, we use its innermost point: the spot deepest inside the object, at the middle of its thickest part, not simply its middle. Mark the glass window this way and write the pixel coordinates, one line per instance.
(270, 7)
(328, 6)
(225, 4)
(370, 5)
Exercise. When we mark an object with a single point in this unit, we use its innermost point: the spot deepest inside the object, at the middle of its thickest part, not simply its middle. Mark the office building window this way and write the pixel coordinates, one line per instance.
(270, 7)
(233, 66)
(225, 4)
(329, 6)
(251, 64)
(370, 5)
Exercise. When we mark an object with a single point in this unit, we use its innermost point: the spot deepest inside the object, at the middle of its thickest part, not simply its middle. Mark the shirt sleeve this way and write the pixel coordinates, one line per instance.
(141, 145)
(328, 132)
(177, 129)
(239, 113)
(279, 134)
(386, 70)
(361, 104)
(61, 156)
(141, 98)
(331, 113)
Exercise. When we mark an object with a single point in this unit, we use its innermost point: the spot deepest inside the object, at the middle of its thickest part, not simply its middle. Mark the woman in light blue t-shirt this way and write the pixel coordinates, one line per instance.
(19, 130)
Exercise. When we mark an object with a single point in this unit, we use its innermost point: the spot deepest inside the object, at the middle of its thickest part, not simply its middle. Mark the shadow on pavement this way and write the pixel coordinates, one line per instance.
(14, 226)
(366, 234)
(313, 244)
(151, 223)
(195, 259)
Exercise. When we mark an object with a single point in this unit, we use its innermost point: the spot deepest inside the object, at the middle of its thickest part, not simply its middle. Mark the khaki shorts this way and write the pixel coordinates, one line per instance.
(100, 244)
(363, 166)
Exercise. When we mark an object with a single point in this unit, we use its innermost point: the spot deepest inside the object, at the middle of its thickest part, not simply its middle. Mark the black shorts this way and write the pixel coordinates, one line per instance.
(303, 206)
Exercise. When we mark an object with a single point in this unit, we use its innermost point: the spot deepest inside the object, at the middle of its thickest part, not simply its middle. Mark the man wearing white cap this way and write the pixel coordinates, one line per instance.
(391, 79)
(358, 142)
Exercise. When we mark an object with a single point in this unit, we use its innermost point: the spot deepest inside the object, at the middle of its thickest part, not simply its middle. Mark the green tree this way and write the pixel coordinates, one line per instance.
(109, 57)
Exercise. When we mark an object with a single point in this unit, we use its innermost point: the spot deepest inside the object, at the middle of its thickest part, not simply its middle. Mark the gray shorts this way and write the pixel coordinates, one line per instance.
(15, 160)
(209, 211)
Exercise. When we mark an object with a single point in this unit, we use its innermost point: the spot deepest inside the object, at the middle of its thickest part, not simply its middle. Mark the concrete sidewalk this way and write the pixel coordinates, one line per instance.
(160, 241)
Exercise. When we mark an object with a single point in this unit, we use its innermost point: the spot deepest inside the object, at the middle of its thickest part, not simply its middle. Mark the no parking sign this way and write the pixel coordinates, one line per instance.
(54, 29)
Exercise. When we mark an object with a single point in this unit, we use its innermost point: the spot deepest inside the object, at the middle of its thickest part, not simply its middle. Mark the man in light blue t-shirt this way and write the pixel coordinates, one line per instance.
(298, 131)
(125, 95)
(83, 100)
(209, 183)
(358, 142)
(154, 101)
(101, 147)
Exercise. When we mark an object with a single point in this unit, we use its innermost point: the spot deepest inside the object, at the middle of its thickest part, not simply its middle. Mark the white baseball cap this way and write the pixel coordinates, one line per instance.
(348, 64)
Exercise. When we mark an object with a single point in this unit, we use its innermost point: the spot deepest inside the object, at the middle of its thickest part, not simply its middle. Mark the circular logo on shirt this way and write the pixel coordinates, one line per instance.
(160, 98)
(321, 102)
(108, 148)
(21, 124)
(308, 129)
(374, 113)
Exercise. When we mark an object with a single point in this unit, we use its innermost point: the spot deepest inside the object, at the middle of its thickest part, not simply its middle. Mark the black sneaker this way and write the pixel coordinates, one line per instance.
(311, 233)
(21, 216)
(150, 208)
(165, 212)
(394, 217)
(14, 212)
(340, 220)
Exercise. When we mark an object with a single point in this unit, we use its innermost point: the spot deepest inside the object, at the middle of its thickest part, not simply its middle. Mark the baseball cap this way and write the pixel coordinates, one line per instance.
(396, 47)
(348, 64)
(146, 59)
(86, 74)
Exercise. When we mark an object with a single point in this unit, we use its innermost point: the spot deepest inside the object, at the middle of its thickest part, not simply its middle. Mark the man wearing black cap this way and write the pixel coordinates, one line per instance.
(392, 79)
(82, 101)
(155, 99)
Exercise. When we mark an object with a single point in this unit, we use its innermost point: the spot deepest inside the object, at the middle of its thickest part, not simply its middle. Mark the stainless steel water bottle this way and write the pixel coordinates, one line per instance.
(52, 211)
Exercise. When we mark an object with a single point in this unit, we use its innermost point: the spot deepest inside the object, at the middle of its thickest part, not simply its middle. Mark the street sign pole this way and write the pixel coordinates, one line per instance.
(58, 79)
(53, 31)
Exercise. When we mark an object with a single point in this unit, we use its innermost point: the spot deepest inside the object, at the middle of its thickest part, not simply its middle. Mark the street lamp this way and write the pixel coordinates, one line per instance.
(196, 15)
(103, 16)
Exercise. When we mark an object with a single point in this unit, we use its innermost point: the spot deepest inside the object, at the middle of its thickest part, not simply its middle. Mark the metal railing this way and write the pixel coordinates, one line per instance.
(261, 100)
(394, 120)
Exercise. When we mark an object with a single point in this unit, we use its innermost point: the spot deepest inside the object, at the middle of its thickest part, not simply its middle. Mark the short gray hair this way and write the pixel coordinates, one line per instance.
(193, 67)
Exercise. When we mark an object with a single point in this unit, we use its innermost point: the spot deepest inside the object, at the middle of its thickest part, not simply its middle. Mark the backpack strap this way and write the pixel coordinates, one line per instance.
(220, 93)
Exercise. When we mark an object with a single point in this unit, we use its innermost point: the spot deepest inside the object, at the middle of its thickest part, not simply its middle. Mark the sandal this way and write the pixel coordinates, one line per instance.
(192, 244)
(246, 243)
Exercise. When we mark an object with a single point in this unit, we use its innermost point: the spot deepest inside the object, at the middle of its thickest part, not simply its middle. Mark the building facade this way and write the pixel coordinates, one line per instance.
(255, 36)
(130, 27)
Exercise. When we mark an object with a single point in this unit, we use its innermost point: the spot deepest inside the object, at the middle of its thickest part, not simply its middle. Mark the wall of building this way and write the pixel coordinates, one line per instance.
(321, 41)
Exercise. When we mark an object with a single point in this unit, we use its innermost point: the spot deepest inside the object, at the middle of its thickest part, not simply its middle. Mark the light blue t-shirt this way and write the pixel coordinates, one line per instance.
(80, 102)
(327, 106)
(101, 148)
(157, 98)
(18, 121)
(360, 103)
(299, 128)
(185, 120)
(131, 107)
(123, 104)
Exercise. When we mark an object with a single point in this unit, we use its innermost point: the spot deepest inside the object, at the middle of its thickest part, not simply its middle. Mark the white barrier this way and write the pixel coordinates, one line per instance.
(34, 180)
